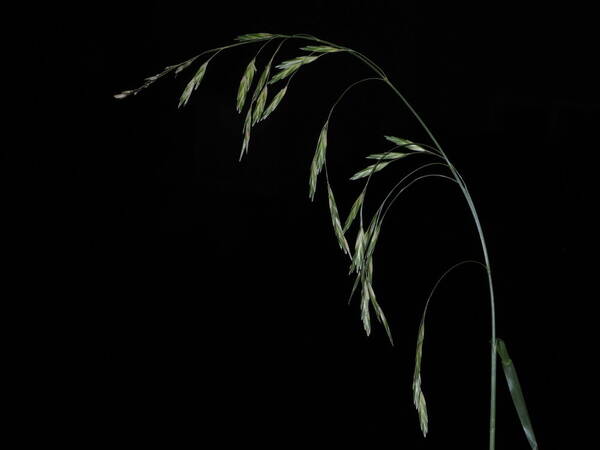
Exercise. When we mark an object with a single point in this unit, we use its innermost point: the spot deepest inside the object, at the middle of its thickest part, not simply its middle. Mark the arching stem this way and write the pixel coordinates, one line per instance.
(467, 195)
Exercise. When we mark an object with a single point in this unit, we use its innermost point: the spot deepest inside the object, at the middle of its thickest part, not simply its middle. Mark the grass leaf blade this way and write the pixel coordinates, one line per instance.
(516, 393)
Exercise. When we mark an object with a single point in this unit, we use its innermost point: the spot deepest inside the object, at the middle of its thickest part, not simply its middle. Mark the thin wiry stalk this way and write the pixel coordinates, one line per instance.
(342, 95)
(422, 177)
(375, 168)
(467, 195)
(403, 179)
(439, 280)
(378, 213)
(419, 397)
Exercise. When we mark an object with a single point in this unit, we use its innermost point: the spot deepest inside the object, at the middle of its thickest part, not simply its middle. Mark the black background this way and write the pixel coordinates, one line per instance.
(194, 297)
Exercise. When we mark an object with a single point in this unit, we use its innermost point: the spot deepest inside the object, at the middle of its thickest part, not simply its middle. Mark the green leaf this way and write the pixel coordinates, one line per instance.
(405, 143)
(274, 103)
(260, 105)
(245, 84)
(254, 37)
(388, 155)
(318, 160)
(418, 396)
(516, 393)
(335, 219)
(354, 211)
(370, 169)
(192, 85)
(321, 49)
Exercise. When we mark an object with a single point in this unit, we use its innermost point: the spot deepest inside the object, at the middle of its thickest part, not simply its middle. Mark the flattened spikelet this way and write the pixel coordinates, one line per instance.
(283, 74)
(122, 95)
(318, 160)
(389, 155)
(291, 66)
(335, 219)
(183, 66)
(149, 80)
(373, 233)
(261, 82)
(274, 103)
(354, 211)
(405, 143)
(359, 251)
(299, 61)
(418, 396)
(364, 306)
(260, 105)
(381, 317)
(246, 131)
(368, 170)
(245, 84)
(321, 49)
(192, 85)
(254, 37)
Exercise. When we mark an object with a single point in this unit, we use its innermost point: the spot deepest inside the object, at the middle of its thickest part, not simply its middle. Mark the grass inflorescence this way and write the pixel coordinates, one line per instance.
(264, 102)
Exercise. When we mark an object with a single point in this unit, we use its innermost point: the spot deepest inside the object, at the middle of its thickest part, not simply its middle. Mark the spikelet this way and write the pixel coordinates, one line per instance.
(274, 103)
(245, 84)
(335, 219)
(354, 211)
(318, 160)
(192, 85)
(254, 37)
(418, 396)
(369, 169)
